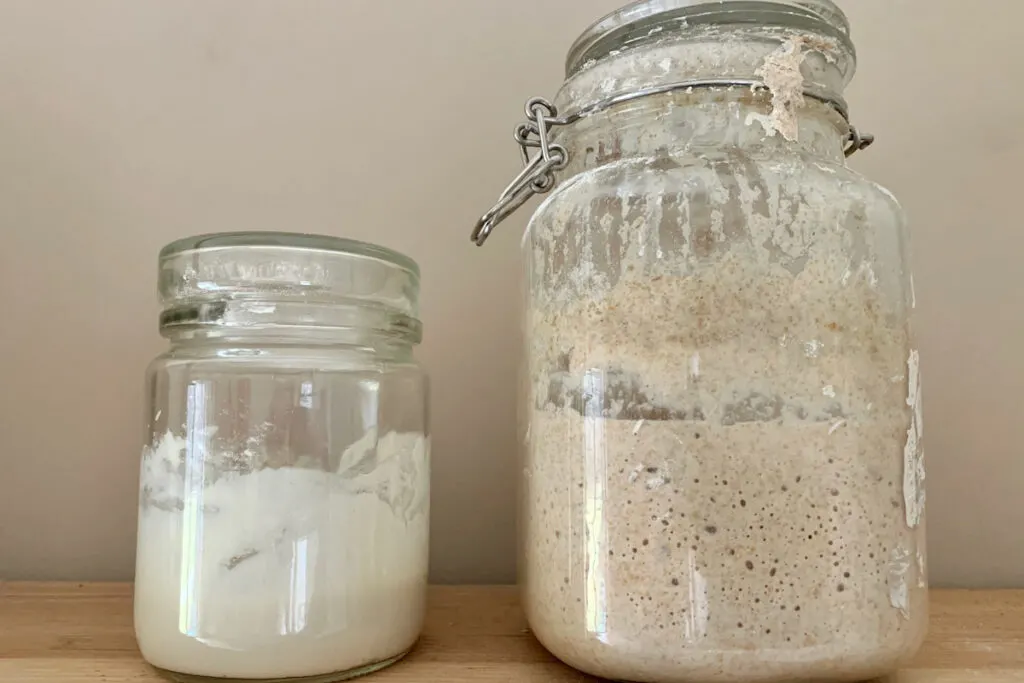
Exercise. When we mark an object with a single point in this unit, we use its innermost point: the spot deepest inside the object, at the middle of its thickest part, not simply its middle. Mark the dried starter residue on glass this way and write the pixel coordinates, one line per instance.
(781, 74)
(913, 453)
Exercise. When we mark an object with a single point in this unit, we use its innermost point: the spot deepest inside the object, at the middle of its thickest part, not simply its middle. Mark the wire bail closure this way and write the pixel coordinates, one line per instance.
(538, 174)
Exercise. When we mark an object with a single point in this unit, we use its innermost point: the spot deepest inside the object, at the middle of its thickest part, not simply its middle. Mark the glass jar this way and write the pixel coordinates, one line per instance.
(723, 473)
(283, 521)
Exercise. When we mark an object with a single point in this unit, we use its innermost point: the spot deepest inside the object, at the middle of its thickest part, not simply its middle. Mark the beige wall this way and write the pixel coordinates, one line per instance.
(125, 124)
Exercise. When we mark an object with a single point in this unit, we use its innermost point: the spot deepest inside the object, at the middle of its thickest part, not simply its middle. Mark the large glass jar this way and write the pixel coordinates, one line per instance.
(283, 521)
(722, 435)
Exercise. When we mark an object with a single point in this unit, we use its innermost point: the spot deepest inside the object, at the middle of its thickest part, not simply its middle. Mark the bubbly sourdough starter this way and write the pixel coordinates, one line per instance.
(715, 478)
(287, 572)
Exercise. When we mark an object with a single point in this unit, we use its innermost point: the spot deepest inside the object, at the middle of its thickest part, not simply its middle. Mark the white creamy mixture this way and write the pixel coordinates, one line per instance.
(286, 572)
(723, 456)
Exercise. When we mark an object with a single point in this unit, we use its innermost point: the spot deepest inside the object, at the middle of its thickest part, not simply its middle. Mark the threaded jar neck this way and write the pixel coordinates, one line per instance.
(289, 288)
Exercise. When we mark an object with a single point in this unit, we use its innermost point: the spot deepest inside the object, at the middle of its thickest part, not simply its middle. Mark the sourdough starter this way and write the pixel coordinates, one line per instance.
(281, 572)
(716, 481)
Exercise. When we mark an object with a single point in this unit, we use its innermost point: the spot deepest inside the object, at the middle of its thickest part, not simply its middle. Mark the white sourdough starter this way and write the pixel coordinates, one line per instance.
(723, 460)
(284, 572)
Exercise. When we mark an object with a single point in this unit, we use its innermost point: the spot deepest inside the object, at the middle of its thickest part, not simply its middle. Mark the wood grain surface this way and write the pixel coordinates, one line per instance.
(82, 633)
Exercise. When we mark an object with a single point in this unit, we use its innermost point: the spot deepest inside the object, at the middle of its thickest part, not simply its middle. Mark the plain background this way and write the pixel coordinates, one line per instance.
(126, 124)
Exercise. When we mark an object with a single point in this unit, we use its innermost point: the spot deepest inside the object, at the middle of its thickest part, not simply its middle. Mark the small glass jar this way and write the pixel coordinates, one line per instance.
(723, 474)
(283, 519)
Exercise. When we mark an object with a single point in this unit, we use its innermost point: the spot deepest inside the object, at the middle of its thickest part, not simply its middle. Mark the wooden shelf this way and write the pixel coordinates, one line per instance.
(82, 633)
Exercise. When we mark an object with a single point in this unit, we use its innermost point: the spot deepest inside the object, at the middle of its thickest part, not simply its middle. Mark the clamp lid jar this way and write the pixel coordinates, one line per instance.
(723, 437)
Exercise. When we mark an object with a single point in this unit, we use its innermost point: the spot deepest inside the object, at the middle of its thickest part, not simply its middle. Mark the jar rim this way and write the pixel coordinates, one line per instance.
(289, 240)
(620, 27)
(287, 281)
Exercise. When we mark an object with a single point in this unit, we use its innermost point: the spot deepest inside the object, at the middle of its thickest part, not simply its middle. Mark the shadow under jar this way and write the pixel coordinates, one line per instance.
(283, 518)
(723, 476)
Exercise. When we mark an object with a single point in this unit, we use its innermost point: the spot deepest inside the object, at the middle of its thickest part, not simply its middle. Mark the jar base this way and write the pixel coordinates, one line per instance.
(321, 678)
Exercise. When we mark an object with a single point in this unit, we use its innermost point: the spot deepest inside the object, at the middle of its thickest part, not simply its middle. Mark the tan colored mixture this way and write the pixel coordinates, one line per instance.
(715, 479)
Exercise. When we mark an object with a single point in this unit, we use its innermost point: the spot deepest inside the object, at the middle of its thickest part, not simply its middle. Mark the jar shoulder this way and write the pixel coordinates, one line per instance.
(679, 214)
(716, 177)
